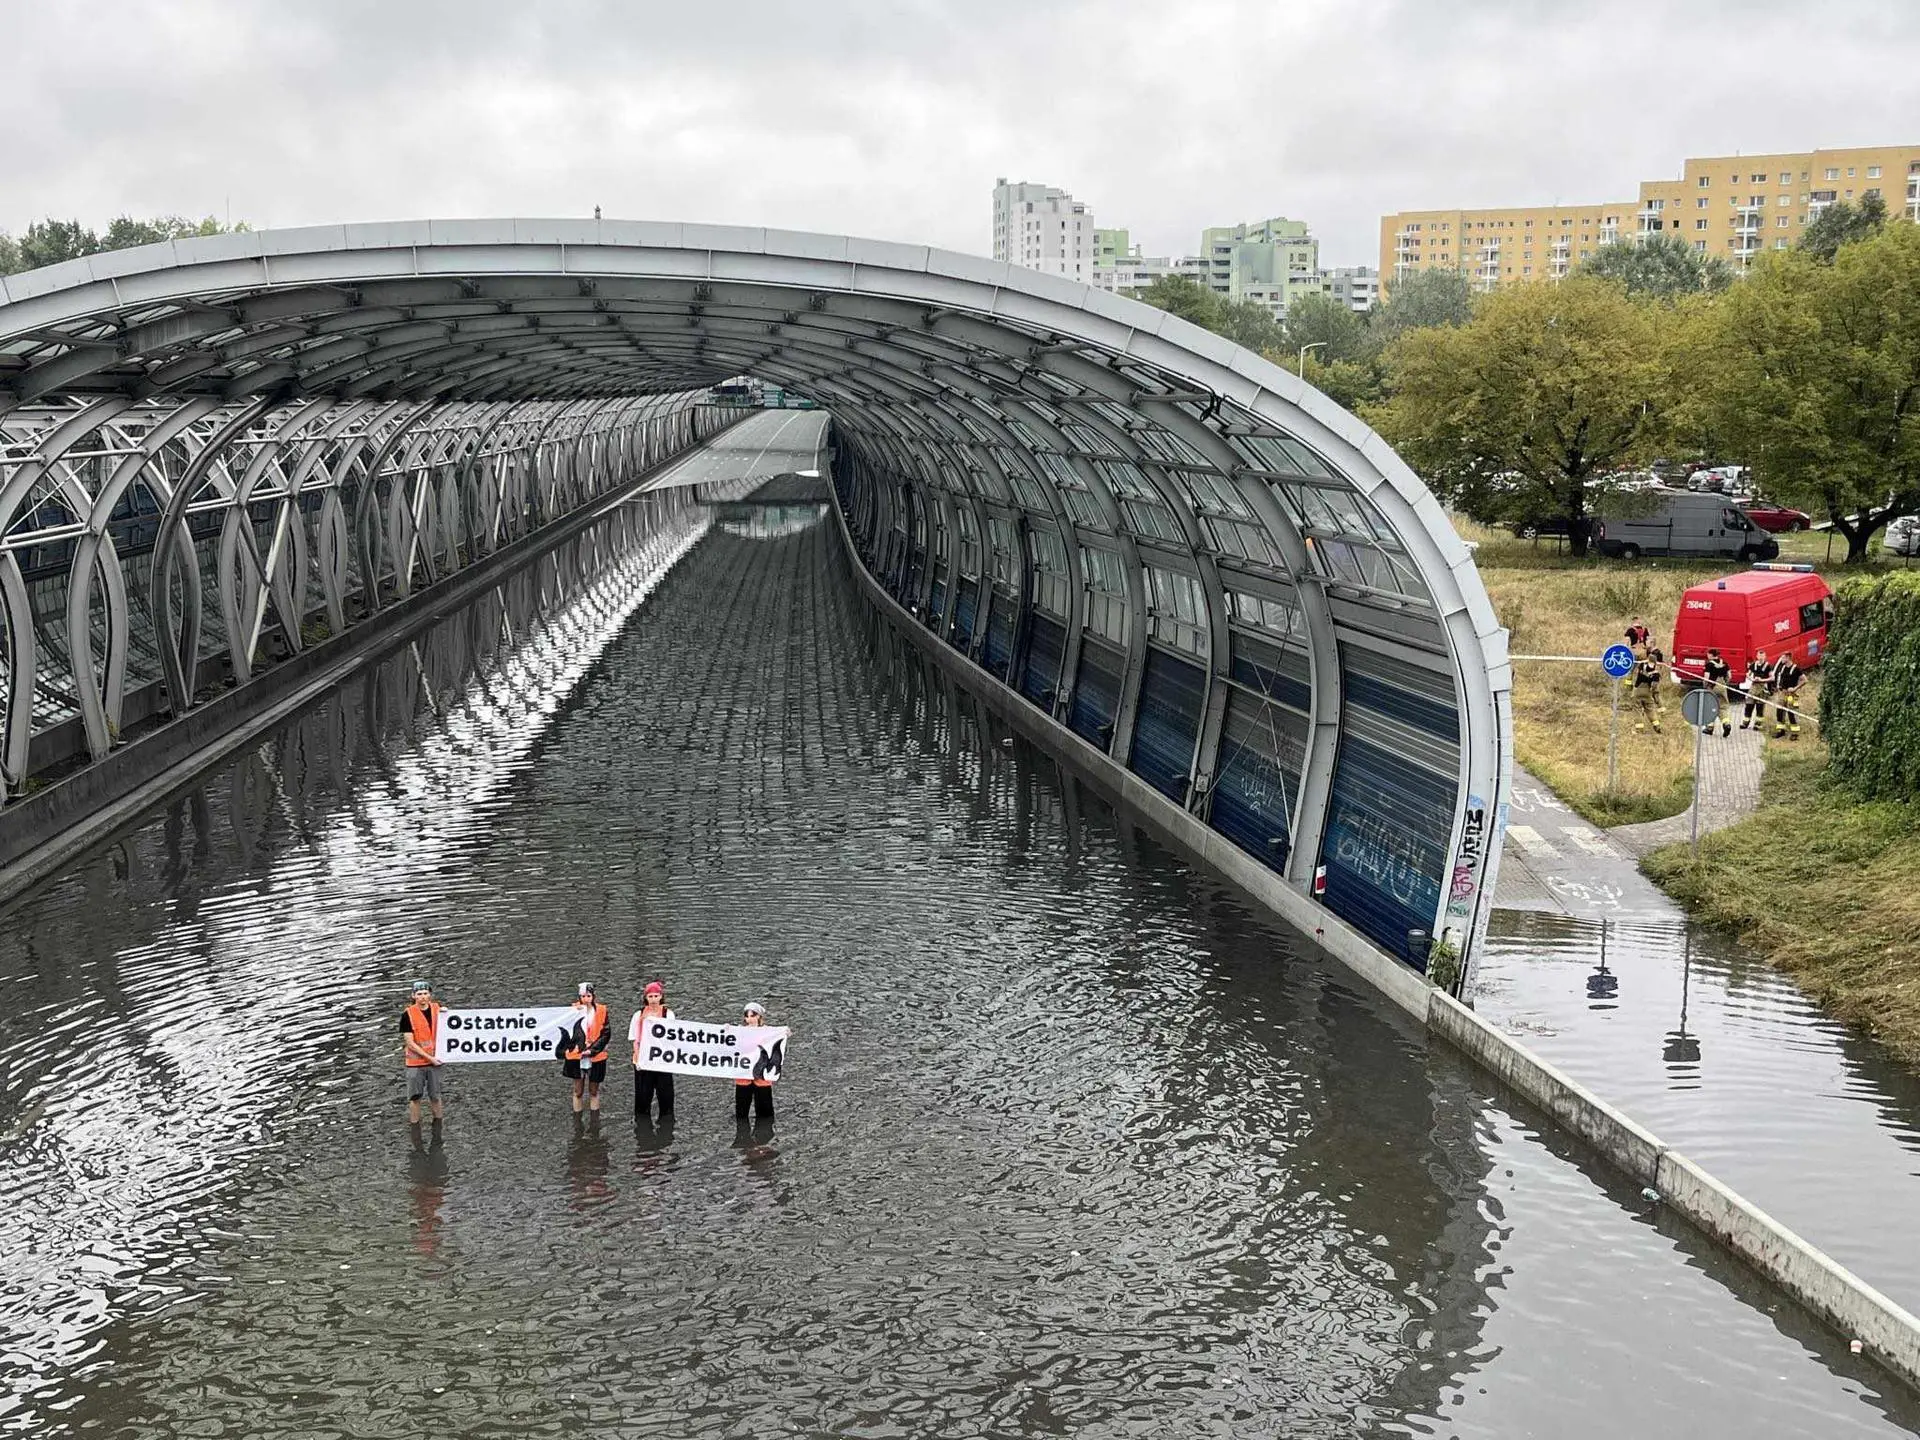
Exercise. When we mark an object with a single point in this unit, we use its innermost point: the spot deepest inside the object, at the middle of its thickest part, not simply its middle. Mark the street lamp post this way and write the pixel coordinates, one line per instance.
(1316, 345)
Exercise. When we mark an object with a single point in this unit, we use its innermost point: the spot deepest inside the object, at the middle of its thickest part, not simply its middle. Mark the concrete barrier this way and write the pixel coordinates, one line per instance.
(1887, 1332)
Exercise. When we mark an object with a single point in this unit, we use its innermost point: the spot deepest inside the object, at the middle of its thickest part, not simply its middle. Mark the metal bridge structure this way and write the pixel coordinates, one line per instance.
(216, 449)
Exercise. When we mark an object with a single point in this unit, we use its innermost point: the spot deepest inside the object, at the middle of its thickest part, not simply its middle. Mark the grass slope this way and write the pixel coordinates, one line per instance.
(1827, 887)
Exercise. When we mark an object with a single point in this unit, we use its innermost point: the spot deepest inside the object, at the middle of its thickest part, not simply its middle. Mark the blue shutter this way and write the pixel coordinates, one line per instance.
(1257, 780)
(1046, 643)
(1096, 692)
(1168, 723)
(966, 606)
(998, 653)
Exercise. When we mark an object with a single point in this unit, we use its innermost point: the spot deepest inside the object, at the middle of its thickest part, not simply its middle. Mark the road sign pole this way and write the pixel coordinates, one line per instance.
(1613, 744)
(1699, 737)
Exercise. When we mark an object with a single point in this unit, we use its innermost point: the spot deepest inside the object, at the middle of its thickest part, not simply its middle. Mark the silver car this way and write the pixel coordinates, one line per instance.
(1902, 536)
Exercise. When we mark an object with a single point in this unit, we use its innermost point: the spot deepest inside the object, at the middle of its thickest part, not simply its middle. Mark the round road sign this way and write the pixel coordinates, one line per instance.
(1701, 707)
(1617, 662)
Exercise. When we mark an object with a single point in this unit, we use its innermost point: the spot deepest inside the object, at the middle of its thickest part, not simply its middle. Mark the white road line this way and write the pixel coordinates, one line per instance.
(1591, 841)
(1532, 841)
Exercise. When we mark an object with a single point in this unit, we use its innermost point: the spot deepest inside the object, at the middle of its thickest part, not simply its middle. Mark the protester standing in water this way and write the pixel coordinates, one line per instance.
(754, 1094)
(585, 1054)
(420, 1025)
(648, 1084)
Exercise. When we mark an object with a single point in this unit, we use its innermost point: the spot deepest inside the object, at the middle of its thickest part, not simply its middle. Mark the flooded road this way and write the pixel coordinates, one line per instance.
(1070, 1141)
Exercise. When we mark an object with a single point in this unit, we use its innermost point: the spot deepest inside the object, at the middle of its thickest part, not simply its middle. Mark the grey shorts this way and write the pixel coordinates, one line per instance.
(423, 1082)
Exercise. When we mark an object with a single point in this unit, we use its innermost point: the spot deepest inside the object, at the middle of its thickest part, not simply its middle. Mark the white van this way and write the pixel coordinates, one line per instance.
(1679, 522)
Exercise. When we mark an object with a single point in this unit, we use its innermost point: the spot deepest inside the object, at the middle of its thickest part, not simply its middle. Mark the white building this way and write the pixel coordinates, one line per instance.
(1041, 228)
(1355, 286)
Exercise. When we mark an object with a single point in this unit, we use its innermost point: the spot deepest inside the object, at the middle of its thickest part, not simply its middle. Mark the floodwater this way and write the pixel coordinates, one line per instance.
(1726, 1059)
(1070, 1141)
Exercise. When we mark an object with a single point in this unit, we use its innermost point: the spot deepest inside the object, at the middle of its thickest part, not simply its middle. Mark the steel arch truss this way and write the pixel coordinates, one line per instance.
(1202, 567)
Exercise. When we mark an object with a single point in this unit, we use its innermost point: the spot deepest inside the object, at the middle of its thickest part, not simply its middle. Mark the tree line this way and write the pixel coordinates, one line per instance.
(50, 241)
(1528, 403)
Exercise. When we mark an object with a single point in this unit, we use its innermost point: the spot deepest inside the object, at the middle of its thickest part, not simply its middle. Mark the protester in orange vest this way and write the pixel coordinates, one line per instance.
(756, 1095)
(585, 1056)
(420, 1024)
(649, 1083)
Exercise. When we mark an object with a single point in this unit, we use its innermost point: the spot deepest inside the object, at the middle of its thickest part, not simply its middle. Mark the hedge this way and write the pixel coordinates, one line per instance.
(1870, 690)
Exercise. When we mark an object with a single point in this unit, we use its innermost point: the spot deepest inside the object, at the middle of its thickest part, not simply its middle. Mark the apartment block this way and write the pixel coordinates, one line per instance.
(1040, 227)
(1734, 206)
(1500, 246)
(1739, 205)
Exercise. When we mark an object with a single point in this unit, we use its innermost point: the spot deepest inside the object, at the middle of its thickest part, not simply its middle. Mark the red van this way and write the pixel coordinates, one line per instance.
(1770, 607)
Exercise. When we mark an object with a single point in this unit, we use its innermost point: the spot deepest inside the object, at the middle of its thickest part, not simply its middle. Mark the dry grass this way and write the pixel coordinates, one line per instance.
(1826, 887)
(1561, 710)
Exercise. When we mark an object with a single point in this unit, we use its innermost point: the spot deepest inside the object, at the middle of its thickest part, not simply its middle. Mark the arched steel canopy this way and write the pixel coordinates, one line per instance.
(1195, 561)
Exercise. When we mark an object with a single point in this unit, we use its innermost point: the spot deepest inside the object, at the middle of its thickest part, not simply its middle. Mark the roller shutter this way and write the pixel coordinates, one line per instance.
(998, 653)
(1395, 789)
(1257, 782)
(1168, 723)
(966, 607)
(1096, 691)
(1040, 675)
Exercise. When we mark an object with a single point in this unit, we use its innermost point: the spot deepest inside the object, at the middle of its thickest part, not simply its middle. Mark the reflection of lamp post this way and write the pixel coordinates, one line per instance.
(1681, 1048)
(1603, 985)
(1316, 345)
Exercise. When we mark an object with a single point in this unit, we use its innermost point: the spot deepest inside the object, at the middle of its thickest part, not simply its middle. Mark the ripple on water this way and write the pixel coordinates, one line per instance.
(1070, 1142)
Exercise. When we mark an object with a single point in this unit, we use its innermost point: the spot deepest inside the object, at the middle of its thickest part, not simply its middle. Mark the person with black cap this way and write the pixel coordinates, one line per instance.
(650, 1083)
(753, 1094)
(584, 1053)
(420, 1025)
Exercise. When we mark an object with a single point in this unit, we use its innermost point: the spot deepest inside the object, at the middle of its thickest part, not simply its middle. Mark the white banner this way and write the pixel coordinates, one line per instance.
(518, 1032)
(733, 1052)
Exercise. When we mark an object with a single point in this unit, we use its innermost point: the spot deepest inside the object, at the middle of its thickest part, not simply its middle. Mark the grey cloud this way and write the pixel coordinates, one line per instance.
(893, 119)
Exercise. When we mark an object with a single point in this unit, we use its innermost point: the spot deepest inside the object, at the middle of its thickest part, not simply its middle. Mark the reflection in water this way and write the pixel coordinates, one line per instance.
(1070, 1142)
(1726, 1059)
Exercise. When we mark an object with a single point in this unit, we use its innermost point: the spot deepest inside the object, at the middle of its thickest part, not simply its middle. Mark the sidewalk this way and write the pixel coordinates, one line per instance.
(1556, 862)
(1730, 767)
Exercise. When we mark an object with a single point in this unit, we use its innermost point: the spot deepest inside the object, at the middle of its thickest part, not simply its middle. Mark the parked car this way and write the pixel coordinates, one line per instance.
(1902, 536)
(1775, 608)
(1775, 519)
(1679, 522)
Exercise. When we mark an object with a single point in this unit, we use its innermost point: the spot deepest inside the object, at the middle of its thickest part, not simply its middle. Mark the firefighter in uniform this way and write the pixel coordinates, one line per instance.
(1786, 696)
(1719, 679)
(584, 1056)
(1646, 687)
(647, 1084)
(1758, 681)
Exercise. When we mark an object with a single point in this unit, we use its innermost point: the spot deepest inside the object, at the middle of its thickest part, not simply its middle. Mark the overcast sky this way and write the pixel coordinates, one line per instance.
(892, 118)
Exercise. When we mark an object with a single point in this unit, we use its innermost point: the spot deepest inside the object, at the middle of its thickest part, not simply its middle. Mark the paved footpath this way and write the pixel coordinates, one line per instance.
(1730, 767)
(1556, 862)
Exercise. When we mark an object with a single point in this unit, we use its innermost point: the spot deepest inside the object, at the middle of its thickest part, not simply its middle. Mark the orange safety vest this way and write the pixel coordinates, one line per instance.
(596, 1033)
(424, 1024)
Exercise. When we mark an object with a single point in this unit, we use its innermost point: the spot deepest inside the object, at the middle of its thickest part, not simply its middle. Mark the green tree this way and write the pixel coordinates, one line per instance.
(1524, 410)
(1661, 265)
(1332, 327)
(1248, 323)
(9, 254)
(1843, 224)
(1423, 298)
(48, 242)
(1811, 371)
(1186, 297)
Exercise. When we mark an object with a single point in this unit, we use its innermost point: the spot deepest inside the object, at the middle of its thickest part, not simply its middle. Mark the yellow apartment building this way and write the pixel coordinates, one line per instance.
(1498, 247)
(1733, 206)
(1739, 205)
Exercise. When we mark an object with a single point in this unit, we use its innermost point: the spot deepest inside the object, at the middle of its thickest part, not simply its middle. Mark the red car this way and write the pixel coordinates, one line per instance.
(1775, 518)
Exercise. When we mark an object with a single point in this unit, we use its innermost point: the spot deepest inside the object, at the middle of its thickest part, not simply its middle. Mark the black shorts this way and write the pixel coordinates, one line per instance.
(596, 1072)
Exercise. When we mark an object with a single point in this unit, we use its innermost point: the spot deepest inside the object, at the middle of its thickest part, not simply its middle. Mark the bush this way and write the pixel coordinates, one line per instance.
(1870, 694)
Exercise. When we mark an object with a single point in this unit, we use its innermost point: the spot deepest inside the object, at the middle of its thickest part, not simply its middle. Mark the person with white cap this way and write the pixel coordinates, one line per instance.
(420, 1025)
(584, 1053)
(647, 1084)
(754, 1095)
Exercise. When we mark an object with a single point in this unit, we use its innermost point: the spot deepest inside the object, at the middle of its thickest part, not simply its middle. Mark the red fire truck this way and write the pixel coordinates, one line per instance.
(1773, 607)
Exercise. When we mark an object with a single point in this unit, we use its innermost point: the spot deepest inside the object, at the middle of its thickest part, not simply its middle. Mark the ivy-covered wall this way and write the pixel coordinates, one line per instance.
(1870, 690)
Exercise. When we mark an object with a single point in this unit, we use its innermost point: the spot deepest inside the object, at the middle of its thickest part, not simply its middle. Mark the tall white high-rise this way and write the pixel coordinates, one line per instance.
(1043, 228)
